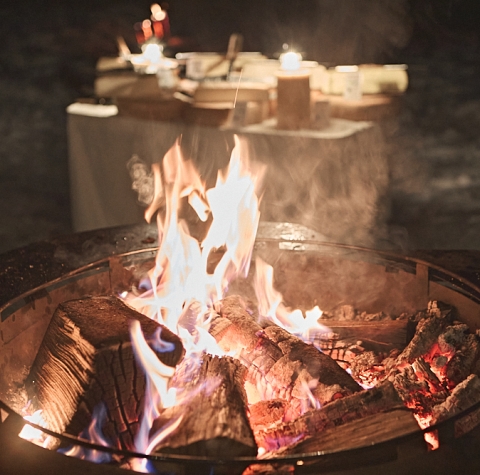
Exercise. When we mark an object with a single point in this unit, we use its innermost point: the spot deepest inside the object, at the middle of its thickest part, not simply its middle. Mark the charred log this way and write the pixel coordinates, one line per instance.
(377, 400)
(380, 336)
(429, 327)
(465, 395)
(86, 358)
(368, 430)
(212, 414)
(277, 360)
(265, 414)
(320, 373)
(419, 387)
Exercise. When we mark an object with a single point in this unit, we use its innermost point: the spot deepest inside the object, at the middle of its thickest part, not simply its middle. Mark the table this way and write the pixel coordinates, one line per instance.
(334, 180)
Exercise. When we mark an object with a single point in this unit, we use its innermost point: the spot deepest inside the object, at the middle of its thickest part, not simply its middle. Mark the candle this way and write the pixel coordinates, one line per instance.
(147, 29)
(158, 16)
(140, 37)
(293, 94)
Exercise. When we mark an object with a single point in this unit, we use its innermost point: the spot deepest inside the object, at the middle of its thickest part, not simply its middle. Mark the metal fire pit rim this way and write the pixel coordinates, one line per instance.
(444, 429)
(295, 245)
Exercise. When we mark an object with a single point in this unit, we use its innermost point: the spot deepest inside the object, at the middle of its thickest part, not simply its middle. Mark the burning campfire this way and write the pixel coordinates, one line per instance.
(192, 361)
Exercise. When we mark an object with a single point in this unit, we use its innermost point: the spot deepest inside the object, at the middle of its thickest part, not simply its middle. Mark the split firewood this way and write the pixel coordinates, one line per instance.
(379, 399)
(366, 431)
(465, 395)
(86, 358)
(320, 373)
(280, 365)
(380, 336)
(212, 412)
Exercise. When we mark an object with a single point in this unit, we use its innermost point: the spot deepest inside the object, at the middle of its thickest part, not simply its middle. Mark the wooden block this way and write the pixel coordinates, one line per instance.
(383, 335)
(362, 432)
(380, 399)
(214, 421)
(86, 358)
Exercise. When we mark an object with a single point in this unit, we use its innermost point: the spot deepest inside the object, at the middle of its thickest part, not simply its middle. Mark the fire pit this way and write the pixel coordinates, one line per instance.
(226, 350)
(369, 280)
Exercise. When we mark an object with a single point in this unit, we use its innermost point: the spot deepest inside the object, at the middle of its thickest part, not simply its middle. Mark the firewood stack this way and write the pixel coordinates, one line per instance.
(274, 394)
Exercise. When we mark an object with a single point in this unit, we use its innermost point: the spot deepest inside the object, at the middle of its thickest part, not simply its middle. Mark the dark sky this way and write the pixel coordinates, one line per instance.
(332, 30)
(329, 31)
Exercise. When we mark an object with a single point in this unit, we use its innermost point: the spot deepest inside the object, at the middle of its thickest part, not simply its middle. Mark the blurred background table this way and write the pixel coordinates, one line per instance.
(334, 180)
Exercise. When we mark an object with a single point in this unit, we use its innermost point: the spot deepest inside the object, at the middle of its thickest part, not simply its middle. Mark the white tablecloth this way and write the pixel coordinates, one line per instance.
(334, 181)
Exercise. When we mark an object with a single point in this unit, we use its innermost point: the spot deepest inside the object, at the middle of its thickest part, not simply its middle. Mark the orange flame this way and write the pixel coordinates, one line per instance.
(271, 306)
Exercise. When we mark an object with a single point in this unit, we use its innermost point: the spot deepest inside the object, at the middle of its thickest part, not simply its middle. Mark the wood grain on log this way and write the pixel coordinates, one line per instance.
(366, 431)
(380, 399)
(85, 358)
(326, 380)
(214, 421)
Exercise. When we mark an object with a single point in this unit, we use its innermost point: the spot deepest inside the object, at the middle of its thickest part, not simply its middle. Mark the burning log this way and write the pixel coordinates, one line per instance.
(464, 347)
(278, 361)
(213, 411)
(368, 430)
(419, 387)
(265, 414)
(428, 329)
(382, 398)
(81, 364)
(379, 336)
(318, 371)
(465, 395)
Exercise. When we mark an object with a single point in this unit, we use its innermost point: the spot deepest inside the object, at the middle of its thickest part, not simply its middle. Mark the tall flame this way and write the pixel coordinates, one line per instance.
(181, 289)
(180, 278)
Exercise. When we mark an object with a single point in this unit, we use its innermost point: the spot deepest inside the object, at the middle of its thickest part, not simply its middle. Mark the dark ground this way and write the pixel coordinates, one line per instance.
(49, 49)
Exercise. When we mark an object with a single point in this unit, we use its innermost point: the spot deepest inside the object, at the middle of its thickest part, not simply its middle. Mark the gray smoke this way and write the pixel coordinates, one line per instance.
(142, 179)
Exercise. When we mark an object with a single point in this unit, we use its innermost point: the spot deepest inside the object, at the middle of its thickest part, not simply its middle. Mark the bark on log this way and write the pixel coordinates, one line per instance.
(279, 364)
(214, 421)
(86, 358)
(382, 398)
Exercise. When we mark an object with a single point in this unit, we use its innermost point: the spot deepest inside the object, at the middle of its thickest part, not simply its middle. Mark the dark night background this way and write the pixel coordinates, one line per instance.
(48, 52)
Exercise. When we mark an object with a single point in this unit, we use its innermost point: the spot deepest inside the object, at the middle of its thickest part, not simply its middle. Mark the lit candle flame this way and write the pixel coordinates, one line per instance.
(291, 61)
